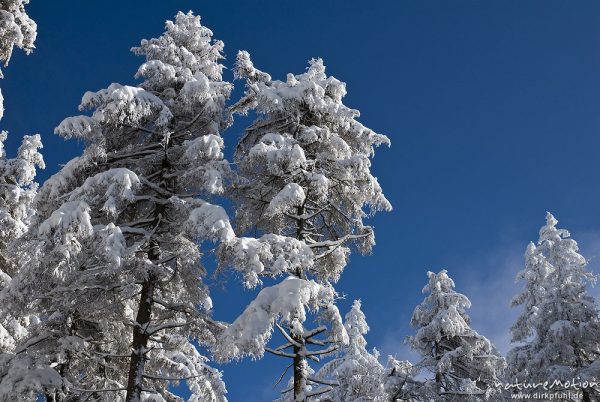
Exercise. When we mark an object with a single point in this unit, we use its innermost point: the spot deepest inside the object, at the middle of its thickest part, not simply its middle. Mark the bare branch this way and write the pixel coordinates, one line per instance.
(280, 353)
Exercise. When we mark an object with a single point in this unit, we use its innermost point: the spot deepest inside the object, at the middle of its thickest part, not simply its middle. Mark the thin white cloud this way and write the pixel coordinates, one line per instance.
(490, 294)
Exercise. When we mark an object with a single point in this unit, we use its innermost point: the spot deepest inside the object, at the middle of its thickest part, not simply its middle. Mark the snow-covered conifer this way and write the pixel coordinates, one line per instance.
(462, 364)
(535, 274)
(305, 176)
(113, 261)
(356, 372)
(17, 190)
(559, 328)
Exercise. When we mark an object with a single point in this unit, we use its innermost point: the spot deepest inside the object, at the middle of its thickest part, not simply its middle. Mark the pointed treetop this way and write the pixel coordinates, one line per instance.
(443, 307)
(550, 219)
(185, 52)
(356, 322)
(530, 249)
(439, 283)
(356, 325)
(549, 232)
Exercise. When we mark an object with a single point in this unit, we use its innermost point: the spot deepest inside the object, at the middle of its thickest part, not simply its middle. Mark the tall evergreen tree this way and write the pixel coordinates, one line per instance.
(535, 274)
(17, 190)
(559, 327)
(305, 175)
(464, 365)
(113, 261)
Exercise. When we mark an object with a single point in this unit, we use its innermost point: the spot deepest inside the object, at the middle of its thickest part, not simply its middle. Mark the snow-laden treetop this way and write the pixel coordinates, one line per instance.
(305, 165)
(461, 361)
(441, 314)
(181, 74)
(185, 54)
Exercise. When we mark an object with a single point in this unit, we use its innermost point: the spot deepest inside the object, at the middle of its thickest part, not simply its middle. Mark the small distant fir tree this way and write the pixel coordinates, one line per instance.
(461, 365)
(558, 330)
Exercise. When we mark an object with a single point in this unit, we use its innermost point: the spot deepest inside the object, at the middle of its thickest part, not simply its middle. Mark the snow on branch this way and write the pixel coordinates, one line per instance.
(284, 302)
(270, 255)
(123, 104)
(70, 220)
(204, 155)
(292, 195)
(80, 127)
(210, 222)
(184, 49)
(22, 169)
(21, 375)
(111, 188)
(16, 29)
(205, 147)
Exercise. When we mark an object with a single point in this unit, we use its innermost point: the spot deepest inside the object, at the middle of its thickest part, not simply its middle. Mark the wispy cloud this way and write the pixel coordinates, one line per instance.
(393, 345)
(491, 293)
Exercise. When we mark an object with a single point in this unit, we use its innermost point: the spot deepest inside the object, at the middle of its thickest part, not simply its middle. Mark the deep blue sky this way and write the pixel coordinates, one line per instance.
(492, 108)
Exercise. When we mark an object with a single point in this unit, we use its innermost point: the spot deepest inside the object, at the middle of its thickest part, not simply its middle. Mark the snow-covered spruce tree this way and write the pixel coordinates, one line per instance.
(113, 262)
(559, 327)
(534, 274)
(17, 175)
(356, 371)
(305, 168)
(464, 365)
(17, 190)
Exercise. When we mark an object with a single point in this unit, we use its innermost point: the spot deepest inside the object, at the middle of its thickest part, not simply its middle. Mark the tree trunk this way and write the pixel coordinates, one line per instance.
(142, 320)
(299, 372)
(140, 342)
(299, 360)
